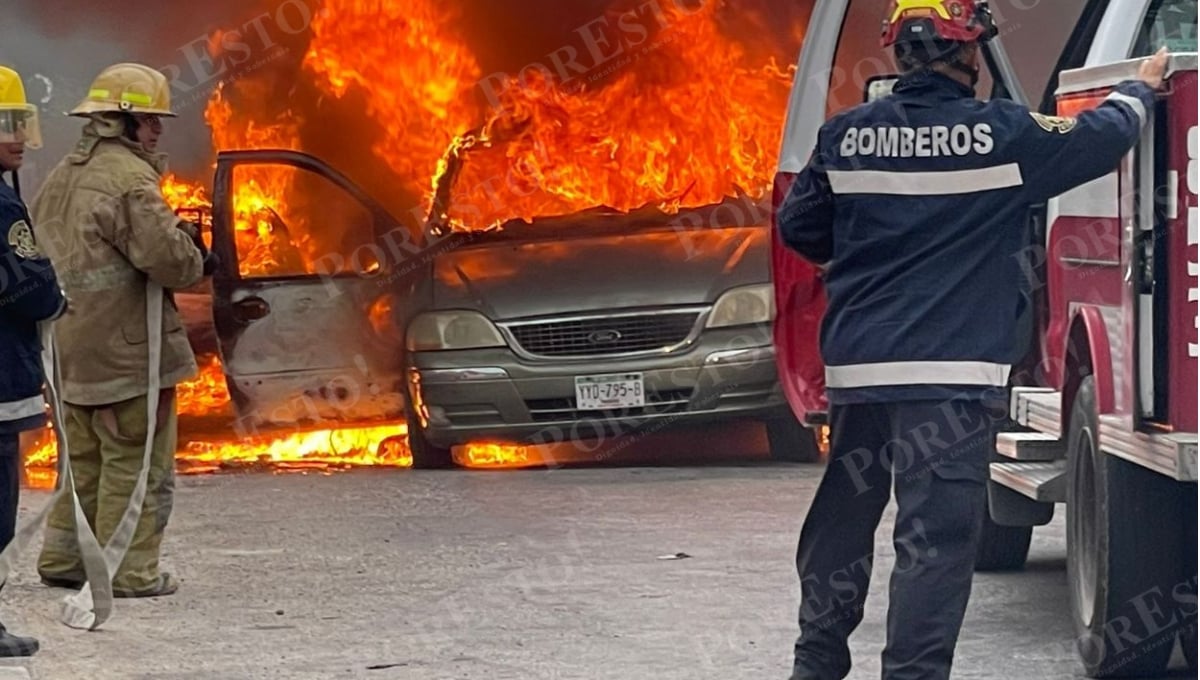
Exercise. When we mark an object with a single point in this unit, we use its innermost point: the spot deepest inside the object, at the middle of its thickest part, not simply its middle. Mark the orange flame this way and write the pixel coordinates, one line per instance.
(689, 123)
(270, 238)
(206, 395)
(416, 72)
(684, 117)
(184, 195)
(496, 455)
(347, 447)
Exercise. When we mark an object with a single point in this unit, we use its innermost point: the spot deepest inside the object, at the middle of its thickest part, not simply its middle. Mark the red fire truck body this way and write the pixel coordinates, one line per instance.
(1103, 410)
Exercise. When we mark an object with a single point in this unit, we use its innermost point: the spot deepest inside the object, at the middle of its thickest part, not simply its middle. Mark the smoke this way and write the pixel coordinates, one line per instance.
(58, 47)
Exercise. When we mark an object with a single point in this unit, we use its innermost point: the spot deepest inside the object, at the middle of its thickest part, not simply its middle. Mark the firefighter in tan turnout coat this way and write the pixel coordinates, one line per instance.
(109, 232)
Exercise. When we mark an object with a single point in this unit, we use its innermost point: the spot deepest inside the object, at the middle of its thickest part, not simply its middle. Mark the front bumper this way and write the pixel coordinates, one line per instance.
(492, 394)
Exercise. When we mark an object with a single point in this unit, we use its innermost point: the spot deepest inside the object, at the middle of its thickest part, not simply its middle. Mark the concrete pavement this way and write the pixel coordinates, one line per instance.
(535, 574)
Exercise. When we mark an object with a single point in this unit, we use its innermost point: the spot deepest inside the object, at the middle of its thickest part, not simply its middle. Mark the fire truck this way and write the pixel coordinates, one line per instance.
(1103, 409)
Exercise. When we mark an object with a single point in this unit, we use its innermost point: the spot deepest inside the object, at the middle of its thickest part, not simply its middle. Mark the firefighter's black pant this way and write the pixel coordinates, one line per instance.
(936, 453)
(10, 485)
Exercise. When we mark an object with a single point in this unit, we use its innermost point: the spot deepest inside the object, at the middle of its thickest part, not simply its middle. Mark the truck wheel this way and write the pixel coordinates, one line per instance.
(791, 442)
(1113, 523)
(1002, 548)
(425, 456)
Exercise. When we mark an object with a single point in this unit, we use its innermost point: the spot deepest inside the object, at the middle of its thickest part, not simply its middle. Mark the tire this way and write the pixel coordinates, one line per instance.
(1114, 523)
(1002, 548)
(425, 456)
(791, 442)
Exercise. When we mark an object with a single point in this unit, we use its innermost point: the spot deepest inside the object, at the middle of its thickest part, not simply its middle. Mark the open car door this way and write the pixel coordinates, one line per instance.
(315, 287)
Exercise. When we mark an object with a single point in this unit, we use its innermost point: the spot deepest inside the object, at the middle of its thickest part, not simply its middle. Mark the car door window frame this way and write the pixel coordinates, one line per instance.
(224, 190)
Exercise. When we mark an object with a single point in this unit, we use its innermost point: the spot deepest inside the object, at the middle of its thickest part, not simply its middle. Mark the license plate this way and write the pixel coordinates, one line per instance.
(603, 392)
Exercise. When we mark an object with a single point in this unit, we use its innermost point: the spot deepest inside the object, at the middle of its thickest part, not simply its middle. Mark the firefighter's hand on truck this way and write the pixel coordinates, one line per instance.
(1154, 68)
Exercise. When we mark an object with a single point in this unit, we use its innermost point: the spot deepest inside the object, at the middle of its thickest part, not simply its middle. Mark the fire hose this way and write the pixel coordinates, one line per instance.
(93, 604)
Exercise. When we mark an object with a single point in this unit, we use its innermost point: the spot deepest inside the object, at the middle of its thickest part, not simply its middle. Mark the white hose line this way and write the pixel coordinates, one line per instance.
(92, 605)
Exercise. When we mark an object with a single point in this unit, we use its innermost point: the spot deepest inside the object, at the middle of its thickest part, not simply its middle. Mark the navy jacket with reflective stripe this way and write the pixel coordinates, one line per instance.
(918, 204)
(29, 293)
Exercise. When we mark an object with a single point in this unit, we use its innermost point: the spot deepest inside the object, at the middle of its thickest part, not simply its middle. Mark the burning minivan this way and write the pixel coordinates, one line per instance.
(583, 267)
(595, 324)
(591, 324)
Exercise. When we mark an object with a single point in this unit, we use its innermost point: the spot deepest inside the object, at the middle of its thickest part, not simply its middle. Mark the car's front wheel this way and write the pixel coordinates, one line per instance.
(425, 455)
(791, 442)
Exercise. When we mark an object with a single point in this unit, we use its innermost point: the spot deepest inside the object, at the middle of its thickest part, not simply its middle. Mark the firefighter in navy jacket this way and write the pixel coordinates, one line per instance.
(29, 294)
(914, 207)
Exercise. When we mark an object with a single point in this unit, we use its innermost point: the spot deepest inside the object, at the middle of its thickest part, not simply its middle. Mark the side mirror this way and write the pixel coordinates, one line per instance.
(879, 87)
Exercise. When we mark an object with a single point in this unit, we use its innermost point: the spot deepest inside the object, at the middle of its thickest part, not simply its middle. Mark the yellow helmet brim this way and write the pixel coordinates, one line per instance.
(90, 106)
(127, 89)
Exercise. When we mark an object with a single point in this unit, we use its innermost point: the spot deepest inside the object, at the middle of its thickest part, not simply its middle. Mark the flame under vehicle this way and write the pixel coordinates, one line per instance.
(1103, 409)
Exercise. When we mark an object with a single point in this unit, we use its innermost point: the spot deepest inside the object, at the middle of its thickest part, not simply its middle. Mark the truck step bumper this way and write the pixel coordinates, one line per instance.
(1030, 446)
(1038, 408)
(1045, 482)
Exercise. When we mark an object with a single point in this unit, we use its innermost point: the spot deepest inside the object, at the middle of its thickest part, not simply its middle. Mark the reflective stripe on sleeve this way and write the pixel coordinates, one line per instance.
(24, 408)
(1134, 103)
(943, 183)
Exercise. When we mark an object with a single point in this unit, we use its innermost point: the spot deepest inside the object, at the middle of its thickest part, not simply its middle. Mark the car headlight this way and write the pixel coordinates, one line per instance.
(743, 306)
(452, 330)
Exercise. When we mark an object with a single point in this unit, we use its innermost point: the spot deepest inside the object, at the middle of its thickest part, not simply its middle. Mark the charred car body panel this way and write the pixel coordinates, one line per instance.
(310, 350)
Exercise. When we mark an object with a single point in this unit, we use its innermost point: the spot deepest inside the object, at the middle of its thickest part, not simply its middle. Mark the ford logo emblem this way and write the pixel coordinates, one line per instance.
(604, 337)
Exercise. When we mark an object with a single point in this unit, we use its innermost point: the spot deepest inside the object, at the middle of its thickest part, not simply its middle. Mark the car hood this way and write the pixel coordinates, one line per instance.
(638, 269)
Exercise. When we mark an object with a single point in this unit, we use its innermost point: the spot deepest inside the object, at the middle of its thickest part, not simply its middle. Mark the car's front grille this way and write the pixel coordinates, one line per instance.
(605, 335)
(657, 402)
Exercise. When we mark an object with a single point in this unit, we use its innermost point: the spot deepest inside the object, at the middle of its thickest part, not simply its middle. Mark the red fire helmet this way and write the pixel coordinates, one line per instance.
(925, 20)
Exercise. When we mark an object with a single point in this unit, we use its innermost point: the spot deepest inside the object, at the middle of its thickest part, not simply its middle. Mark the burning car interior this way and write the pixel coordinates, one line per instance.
(432, 239)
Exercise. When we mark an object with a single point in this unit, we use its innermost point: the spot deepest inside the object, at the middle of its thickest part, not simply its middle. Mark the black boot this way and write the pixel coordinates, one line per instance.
(10, 487)
(15, 645)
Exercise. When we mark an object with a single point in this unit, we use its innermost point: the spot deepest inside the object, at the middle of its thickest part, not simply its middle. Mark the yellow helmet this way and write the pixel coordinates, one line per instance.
(127, 88)
(18, 118)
